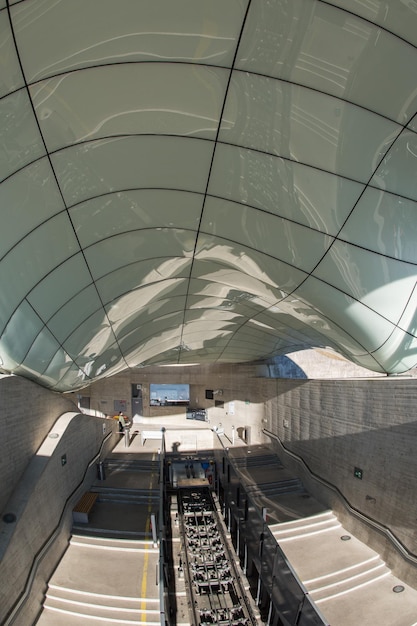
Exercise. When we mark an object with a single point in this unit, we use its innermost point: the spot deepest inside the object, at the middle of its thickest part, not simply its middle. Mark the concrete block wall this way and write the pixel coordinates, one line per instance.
(33, 492)
(241, 394)
(337, 426)
(27, 413)
(38, 503)
(334, 425)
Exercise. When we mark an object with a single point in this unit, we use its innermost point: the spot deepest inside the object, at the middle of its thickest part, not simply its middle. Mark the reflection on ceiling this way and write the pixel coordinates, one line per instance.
(204, 182)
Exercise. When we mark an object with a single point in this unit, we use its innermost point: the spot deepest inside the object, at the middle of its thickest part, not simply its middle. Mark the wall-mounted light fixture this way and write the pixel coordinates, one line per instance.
(358, 473)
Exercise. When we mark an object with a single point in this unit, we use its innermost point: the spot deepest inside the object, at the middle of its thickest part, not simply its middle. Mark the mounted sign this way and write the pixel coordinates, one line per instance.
(358, 473)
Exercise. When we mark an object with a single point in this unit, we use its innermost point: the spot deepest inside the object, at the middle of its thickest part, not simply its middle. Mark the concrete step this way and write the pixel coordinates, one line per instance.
(301, 521)
(346, 572)
(253, 460)
(132, 465)
(95, 531)
(348, 580)
(113, 543)
(131, 496)
(114, 601)
(103, 486)
(305, 526)
(51, 617)
(117, 610)
(290, 485)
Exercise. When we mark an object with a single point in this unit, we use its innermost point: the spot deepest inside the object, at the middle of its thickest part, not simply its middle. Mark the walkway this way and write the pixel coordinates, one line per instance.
(108, 573)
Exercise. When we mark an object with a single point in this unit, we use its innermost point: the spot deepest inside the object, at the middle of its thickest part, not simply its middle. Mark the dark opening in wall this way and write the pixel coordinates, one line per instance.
(84, 402)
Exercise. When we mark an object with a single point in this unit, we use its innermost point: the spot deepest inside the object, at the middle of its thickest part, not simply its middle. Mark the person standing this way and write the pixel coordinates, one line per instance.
(122, 422)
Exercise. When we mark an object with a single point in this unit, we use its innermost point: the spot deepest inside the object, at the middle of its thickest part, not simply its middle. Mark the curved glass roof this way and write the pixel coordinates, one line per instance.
(188, 182)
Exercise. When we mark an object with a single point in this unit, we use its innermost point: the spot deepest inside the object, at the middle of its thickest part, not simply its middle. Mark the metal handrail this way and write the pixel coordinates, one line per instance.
(381, 528)
(49, 541)
(294, 574)
(161, 532)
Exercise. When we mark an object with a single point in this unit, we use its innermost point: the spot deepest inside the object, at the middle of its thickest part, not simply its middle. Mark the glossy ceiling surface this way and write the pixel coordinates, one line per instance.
(193, 181)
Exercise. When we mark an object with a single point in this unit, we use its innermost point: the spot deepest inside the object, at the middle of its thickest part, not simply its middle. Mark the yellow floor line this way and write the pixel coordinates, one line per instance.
(144, 585)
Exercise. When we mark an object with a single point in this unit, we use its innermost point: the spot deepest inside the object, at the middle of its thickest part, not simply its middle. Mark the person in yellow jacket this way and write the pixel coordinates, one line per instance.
(122, 422)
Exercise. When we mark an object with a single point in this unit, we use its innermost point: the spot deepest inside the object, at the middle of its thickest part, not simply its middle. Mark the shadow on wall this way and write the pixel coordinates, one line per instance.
(63, 466)
(27, 413)
(375, 470)
(283, 367)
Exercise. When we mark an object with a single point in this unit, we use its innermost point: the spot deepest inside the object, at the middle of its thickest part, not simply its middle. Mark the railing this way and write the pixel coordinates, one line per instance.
(299, 603)
(381, 528)
(13, 613)
(161, 529)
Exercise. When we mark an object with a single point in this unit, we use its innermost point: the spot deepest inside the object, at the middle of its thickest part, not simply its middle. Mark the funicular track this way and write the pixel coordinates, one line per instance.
(215, 587)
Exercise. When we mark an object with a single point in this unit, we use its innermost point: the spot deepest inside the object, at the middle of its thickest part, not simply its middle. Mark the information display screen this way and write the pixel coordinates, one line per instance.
(169, 395)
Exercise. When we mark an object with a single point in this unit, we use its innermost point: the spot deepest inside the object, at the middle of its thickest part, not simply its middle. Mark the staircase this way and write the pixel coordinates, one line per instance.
(258, 460)
(347, 580)
(305, 527)
(319, 546)
(277, 488)
(107, 575)
(78, 591)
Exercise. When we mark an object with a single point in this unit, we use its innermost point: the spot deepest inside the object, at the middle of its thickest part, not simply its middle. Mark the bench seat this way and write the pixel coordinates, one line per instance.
(83, 507)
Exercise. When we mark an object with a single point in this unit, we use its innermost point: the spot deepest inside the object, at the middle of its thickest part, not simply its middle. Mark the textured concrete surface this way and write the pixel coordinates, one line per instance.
(28, 412)
(337, 426)
(38, 502)
(111, 574)
(348, 581)
(108, 573)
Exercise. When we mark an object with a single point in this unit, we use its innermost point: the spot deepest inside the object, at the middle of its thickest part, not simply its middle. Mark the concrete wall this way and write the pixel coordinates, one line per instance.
(37, 489)
(334, 425)
(27, 412)
(337, 426)
(316, 363)
(241, 394)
